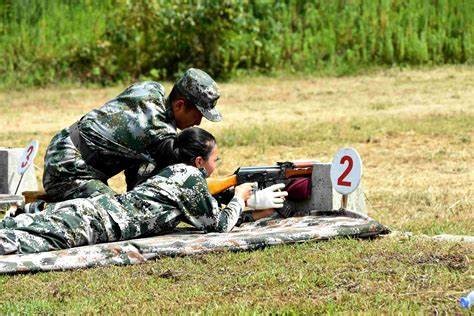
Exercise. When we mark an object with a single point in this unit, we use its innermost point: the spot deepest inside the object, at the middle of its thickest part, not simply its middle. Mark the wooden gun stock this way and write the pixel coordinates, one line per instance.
(218, 185)
(31, 196)
(298, 172)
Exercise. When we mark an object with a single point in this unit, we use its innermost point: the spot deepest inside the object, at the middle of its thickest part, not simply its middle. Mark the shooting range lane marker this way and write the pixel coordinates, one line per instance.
(346, 172)
(26, 160)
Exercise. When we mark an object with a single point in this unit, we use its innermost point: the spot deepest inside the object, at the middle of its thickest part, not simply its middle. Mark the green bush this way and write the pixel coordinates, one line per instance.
(160, 39)
(106, 41)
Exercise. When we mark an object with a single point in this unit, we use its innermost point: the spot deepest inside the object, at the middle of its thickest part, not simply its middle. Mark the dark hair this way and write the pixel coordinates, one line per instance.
(191, 143)
(175, 94)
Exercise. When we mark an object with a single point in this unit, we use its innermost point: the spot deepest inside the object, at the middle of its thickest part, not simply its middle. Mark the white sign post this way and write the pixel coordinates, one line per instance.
(346, 171)
(26, 160)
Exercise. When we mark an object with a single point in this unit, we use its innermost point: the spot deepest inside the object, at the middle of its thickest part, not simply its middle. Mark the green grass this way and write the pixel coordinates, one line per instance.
(357, 130)
(326, 277)
(39, 38)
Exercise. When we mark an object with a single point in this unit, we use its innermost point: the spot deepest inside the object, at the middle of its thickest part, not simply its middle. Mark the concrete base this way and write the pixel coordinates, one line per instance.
(9, 159)
(355, 201)
(324, 198)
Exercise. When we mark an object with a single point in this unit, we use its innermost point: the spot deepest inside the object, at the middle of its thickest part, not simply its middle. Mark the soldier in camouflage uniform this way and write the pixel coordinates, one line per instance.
(177, 193)
(133, 132)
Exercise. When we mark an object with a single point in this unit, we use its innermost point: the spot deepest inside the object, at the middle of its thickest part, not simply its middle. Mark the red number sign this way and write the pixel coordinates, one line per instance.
(27, 158)
(346, 170)
(340, 180)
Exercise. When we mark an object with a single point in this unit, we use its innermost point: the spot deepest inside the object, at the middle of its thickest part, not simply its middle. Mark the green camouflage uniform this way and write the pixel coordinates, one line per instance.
(133, 132)
(124, 134)
(178, 193)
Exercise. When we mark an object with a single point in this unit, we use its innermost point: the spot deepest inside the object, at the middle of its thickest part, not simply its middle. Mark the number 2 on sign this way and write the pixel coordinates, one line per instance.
(340, 180)
(27, 158)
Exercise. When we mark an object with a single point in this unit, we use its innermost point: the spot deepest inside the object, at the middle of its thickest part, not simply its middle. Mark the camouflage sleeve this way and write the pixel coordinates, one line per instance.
(203, 211)
(163, 157)
(216, 219)
(130, 126)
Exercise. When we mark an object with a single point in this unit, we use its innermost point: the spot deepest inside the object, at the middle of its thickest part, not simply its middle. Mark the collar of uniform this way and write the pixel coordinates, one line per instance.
(203, 172)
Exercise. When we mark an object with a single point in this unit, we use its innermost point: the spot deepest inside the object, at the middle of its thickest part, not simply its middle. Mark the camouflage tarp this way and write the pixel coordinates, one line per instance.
(186, 241)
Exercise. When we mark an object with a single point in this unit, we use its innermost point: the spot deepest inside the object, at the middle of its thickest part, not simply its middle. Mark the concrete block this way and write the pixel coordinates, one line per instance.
(9, 159)
(324, 198)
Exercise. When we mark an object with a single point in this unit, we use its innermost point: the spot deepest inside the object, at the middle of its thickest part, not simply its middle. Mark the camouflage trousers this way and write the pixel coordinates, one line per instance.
(66, 174)
(76, 223)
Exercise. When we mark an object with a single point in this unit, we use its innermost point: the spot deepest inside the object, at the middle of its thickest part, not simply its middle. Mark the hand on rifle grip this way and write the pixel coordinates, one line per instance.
(271, 197)
(244, 191)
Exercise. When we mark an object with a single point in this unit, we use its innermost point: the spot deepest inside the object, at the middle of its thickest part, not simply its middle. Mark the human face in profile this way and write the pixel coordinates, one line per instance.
(186, 115)
(209, 164)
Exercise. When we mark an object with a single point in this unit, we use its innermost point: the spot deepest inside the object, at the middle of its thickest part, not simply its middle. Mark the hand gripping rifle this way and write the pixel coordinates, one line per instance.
(282, 172)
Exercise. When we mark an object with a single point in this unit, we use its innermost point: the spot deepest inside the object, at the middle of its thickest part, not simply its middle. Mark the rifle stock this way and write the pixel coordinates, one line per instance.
(218, 185)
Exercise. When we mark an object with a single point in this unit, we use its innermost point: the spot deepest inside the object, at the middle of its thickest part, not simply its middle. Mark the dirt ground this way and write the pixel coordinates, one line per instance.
(413, 129)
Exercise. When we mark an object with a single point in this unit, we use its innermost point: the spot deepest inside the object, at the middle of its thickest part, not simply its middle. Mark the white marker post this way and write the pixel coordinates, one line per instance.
(346, 171)
(26, 160)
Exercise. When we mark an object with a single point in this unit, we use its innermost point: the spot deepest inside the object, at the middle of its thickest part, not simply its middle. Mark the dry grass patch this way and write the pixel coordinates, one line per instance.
(414, 132)
(412, 128)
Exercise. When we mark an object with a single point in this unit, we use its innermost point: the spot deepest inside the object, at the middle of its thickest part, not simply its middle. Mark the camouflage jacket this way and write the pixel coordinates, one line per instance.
(180, 193)
(129, 130)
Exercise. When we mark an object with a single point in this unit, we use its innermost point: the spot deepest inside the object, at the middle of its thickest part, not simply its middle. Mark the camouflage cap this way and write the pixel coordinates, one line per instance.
(201, 90)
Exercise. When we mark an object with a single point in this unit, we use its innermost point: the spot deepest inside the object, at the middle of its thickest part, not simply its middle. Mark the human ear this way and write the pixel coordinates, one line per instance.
(178, 105)
(199, 162)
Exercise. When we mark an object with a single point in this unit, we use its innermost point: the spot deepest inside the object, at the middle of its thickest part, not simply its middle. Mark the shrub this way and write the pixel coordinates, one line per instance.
(106, 41)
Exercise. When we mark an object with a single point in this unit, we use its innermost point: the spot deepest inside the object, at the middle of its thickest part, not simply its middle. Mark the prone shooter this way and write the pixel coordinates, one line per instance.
(293, 177)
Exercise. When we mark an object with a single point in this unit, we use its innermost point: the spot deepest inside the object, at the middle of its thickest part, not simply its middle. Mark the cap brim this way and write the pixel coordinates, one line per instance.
(212, 115)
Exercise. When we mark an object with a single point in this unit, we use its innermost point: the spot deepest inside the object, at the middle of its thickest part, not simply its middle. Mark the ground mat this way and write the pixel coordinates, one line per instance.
(187, 241)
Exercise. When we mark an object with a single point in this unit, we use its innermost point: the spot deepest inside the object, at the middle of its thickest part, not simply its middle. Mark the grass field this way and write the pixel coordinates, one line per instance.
(414, 130)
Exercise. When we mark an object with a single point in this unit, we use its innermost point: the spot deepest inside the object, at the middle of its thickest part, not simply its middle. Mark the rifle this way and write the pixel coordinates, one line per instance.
(265, 176)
